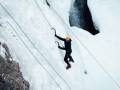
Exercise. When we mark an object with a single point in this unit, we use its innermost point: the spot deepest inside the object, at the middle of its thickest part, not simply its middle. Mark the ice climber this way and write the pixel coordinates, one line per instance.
(67, 41)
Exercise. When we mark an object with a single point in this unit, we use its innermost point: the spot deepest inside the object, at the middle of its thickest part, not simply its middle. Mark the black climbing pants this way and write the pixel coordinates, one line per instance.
(68, 56)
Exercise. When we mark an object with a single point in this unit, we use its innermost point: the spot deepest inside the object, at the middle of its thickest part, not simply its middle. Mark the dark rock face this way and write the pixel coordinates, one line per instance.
(4, 85)
(10, 75)
(80, 16)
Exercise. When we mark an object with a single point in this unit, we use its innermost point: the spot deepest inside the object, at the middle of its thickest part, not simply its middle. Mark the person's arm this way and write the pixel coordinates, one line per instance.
(63, 48)
(63, 39)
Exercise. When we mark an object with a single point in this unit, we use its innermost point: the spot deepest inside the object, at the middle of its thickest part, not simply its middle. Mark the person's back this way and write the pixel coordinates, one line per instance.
(68, 45)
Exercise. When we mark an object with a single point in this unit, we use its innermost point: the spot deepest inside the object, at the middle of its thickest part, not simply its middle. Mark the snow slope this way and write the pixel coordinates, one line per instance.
(104, 46)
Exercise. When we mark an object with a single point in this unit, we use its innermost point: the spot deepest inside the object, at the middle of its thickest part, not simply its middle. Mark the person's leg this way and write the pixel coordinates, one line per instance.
(66, 60)
(70, 58)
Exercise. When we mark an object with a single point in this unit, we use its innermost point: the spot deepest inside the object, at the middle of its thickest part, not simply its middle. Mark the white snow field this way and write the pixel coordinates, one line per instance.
(105, 46)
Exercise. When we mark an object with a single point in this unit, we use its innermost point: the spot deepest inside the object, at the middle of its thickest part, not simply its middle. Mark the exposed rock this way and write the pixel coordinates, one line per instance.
(7, 53)
(4, 85)
(80, 16)
(10, 75)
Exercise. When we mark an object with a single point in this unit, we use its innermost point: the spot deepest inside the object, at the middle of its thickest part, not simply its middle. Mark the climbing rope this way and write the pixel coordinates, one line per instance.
(93, 56)
(87, 49)
(51, 29)
(54, 28)
(60, 19)
(35, 47)
(45, 16)
(34, 56)
(85, 71)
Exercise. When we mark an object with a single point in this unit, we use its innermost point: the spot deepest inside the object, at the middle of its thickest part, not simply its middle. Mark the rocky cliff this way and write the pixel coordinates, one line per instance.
(10, 75)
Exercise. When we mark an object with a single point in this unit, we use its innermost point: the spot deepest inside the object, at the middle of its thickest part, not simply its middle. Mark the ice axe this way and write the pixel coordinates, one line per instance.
(54, 30)
(57, 43)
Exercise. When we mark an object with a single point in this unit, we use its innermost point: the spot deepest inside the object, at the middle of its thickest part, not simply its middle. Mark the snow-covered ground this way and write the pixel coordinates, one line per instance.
(104, 46)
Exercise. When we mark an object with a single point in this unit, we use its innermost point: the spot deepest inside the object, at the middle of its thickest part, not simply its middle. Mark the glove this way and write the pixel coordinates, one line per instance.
(58, 46)
(55, 35)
